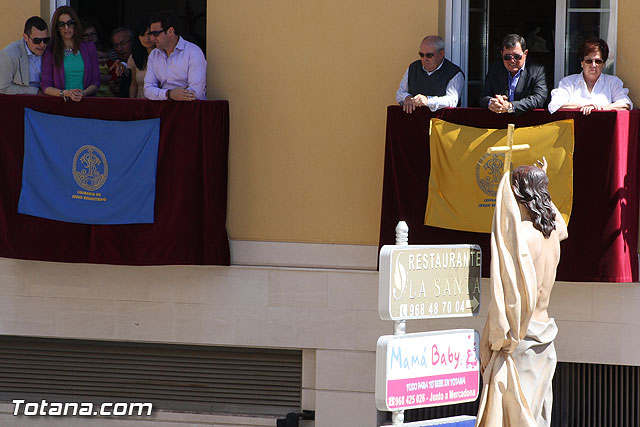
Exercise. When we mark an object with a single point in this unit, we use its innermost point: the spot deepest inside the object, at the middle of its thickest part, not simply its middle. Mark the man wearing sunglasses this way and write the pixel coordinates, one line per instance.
(516, 85)
(21, 61)
(176, 68)
(432, 81)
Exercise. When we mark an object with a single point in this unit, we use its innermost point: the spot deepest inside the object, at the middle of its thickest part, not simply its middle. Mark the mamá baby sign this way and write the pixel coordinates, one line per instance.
(427, 369)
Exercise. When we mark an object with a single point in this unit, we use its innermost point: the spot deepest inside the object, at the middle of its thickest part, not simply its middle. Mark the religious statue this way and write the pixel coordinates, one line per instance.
(517, 354)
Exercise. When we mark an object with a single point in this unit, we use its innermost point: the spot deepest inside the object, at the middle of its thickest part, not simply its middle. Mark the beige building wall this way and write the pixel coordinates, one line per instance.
(308, 83)
(15, 13)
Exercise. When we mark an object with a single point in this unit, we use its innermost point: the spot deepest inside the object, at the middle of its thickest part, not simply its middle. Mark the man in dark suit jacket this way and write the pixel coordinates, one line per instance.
(516, 85)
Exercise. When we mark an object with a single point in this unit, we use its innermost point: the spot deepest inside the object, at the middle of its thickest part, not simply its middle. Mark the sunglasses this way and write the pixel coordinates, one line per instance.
(38, 40)
(598, 61)
(428, 55)
(70, 23)
(157, 33)
(89, 36)
(509, 57)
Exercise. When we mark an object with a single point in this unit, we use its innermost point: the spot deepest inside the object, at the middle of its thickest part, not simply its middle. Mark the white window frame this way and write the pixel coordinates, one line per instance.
(456, 39)
(54, 4)
(561, 28)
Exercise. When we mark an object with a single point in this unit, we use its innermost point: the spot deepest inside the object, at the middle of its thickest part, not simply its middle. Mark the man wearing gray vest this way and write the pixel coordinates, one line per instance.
(432, 81)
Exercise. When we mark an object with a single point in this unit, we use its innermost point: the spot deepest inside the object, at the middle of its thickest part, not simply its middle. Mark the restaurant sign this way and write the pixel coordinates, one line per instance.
(423, 282)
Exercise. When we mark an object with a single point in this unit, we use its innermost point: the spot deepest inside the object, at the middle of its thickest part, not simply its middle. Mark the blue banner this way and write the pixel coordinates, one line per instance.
(89, 171)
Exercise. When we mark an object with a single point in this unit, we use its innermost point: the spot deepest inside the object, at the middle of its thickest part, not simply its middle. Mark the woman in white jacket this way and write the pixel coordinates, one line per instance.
(591, 90)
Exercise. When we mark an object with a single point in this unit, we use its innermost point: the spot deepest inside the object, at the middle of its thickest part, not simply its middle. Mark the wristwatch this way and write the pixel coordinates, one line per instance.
(510, 109)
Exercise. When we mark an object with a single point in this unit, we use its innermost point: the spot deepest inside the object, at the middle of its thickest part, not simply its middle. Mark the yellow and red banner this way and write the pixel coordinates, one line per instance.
(464, 177)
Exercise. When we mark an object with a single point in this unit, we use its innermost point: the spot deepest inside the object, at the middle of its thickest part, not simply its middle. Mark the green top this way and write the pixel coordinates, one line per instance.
(73, 71)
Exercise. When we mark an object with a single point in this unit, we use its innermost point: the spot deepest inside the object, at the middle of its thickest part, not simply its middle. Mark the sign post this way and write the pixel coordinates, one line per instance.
(427, 368)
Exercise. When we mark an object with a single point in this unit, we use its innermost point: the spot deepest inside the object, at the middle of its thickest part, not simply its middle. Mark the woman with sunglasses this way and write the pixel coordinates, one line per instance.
(142, 46)
(591, 90)
(70, 65)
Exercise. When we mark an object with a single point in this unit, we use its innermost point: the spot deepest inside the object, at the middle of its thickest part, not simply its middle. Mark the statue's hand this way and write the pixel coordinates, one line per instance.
(542, 164)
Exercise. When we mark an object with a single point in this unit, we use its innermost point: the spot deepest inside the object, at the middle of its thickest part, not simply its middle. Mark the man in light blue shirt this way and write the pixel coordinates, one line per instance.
(21, 61)
(176, 68)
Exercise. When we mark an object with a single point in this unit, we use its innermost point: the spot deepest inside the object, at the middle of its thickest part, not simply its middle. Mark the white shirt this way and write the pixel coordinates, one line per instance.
(573, 90)
(449, 99)
(185, 68)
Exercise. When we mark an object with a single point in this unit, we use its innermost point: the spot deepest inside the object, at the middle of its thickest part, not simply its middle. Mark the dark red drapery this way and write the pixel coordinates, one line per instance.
(191, 187)
(603, 230)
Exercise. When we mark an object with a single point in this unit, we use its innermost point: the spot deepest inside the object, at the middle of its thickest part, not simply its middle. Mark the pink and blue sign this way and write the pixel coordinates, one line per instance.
(427, 369)
(458, 421)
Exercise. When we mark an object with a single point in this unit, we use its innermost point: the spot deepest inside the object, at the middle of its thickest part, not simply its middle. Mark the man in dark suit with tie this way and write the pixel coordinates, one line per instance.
(516, 85)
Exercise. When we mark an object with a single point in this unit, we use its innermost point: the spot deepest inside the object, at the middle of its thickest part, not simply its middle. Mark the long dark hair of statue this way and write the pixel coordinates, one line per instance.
(530, 186)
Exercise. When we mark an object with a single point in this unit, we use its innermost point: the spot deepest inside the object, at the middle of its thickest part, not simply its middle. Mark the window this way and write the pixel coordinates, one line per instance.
(584, 19)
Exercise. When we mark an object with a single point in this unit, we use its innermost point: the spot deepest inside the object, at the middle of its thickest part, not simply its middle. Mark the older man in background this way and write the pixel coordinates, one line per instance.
(21, 61)
(121, 40)
(432, 81)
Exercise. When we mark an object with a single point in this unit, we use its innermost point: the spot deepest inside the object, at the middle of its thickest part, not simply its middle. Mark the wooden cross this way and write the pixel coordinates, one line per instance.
(509, 148)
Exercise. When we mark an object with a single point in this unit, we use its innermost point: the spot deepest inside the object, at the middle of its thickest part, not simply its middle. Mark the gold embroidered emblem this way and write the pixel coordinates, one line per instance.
(489, 172)
(90, 168)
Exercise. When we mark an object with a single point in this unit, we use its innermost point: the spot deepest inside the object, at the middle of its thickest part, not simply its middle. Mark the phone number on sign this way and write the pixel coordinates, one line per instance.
(410, 399)
(433, 309)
